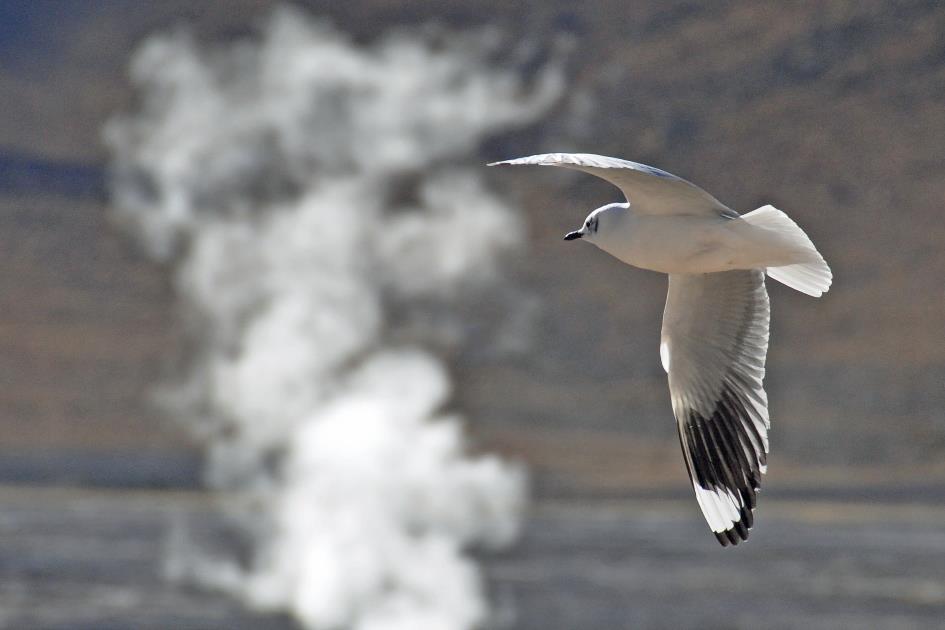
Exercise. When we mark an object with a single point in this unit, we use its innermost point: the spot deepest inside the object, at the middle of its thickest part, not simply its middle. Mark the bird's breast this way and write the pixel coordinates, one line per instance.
(674, 244)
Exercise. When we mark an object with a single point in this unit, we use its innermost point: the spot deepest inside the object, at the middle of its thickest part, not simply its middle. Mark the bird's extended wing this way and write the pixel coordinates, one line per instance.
(713, 346)
(649, 190)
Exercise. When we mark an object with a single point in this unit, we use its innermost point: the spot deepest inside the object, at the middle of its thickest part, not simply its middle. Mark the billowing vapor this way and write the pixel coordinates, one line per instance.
(315, 201)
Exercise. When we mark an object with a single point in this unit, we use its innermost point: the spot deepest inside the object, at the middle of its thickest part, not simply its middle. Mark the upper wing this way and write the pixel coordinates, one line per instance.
(649, 190)
(713, 346)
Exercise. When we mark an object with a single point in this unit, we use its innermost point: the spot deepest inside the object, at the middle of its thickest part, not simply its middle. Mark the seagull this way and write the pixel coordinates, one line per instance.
(715, 324)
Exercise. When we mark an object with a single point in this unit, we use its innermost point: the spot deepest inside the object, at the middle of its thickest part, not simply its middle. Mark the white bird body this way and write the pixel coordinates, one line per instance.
(695, 244)
(715, 325)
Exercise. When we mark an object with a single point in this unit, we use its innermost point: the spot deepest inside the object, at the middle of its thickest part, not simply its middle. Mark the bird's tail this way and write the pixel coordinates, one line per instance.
(812, 277)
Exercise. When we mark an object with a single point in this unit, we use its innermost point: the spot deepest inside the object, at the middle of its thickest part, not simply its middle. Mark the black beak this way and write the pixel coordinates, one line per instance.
(570, 236)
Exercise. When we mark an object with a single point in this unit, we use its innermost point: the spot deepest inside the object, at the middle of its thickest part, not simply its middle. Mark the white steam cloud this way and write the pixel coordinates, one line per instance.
(323, 236)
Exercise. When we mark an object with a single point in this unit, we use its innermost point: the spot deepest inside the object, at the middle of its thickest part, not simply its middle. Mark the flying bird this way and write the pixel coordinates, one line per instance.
(715, 324)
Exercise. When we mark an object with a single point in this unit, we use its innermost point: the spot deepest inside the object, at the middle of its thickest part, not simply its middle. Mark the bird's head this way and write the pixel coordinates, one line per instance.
(598, 222)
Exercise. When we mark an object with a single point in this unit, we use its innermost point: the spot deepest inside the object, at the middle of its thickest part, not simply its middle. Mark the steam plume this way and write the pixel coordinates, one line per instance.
(309, 196)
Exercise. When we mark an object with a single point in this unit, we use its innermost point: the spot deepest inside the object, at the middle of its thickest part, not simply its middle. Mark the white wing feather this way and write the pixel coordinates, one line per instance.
(649, 190)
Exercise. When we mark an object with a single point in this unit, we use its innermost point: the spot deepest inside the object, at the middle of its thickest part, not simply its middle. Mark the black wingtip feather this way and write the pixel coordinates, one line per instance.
(723, 451)
(749, 499)
(748, 517)
(741, 528)
(731, 537)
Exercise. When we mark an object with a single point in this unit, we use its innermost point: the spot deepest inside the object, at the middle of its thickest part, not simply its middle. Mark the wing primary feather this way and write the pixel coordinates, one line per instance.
(759, 442)
(741, 424)
(741, 526)
(730, 402)
(738, 468)
(742, 456)
(731, 478)
(725, 476)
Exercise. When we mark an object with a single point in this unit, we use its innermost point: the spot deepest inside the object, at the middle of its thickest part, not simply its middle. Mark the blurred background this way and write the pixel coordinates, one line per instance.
(279, 352)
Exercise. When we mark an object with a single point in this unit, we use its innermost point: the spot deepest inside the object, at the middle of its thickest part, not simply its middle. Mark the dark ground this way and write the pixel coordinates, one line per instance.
(93, 559)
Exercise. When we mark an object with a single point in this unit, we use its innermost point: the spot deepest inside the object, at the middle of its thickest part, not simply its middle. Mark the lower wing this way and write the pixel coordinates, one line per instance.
(713, 345)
